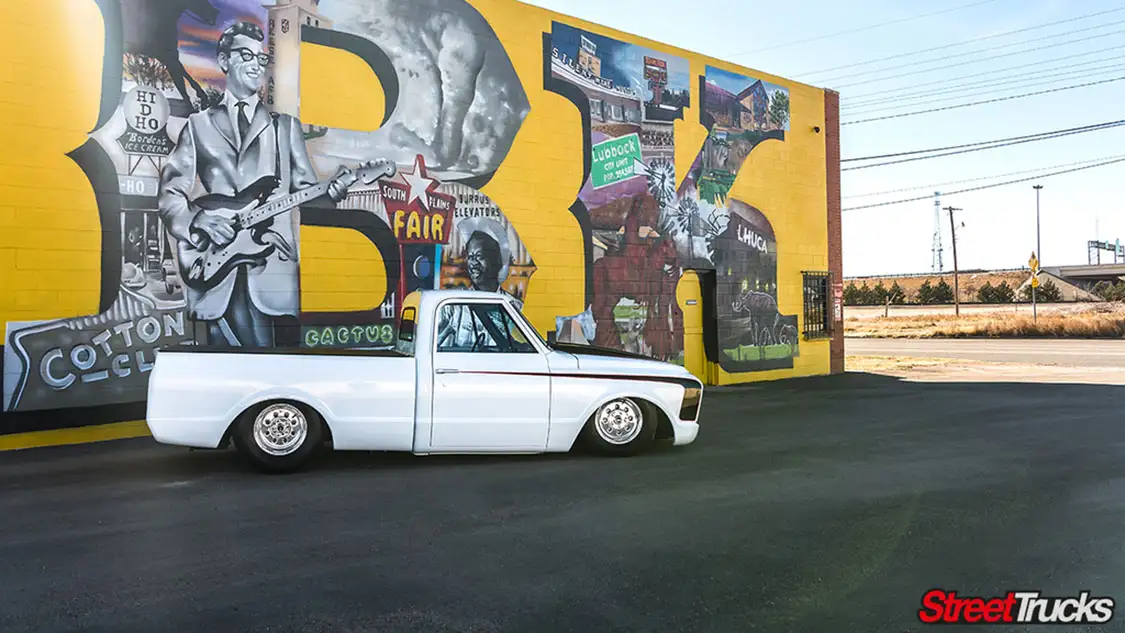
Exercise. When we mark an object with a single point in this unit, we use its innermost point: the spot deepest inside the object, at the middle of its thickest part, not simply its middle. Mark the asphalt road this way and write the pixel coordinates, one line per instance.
(1074, 352)
(815, 505)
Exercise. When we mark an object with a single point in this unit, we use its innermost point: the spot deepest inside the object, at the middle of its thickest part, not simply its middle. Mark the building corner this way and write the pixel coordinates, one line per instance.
(835, 233)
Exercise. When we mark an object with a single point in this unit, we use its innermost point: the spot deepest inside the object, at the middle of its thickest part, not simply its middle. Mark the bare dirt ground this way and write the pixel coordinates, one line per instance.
(962, 370)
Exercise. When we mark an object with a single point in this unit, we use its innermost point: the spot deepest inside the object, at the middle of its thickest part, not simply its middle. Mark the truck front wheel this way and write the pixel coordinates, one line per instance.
(621, 427)
(278, 437)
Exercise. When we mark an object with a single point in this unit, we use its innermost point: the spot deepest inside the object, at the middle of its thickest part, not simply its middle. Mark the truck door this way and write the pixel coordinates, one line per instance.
(491, 385)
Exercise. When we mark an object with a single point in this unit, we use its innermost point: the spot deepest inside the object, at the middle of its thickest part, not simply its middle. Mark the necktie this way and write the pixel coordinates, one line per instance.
(243, 122)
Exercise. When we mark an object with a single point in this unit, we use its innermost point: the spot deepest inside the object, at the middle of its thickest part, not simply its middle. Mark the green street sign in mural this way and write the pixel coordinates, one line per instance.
(615, 160)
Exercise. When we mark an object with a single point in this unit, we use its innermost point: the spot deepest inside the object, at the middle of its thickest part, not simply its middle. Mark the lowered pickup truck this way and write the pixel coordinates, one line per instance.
(468, 374)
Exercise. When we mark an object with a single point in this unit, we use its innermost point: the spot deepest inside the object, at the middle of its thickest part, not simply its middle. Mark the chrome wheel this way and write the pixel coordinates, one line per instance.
(619, 422)
(280, 429)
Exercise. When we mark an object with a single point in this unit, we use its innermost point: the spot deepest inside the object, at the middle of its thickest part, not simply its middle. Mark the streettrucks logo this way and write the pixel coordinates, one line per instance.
(1016, 607)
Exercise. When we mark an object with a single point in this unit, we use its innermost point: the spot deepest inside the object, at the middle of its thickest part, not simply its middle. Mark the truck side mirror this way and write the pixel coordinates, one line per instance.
(551, 337)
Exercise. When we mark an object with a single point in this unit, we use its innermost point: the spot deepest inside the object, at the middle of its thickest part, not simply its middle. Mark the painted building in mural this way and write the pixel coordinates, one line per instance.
(283, 172)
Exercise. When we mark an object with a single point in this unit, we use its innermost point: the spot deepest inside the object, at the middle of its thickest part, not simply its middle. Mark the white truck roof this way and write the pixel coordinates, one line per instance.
(463, 293)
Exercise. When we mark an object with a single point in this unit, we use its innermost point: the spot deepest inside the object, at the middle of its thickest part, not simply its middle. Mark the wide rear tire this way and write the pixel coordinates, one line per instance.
(621, 427)
(279, 436)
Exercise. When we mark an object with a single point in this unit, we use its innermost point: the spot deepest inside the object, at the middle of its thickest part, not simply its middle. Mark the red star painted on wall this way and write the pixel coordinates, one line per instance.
(416, 212)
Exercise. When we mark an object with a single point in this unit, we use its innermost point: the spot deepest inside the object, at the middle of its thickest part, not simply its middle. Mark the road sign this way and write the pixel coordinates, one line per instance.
(1033, 263)
(616, 160)
(1035, 281)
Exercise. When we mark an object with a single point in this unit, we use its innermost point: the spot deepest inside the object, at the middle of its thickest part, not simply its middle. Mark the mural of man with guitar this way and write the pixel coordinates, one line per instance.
(237, 244)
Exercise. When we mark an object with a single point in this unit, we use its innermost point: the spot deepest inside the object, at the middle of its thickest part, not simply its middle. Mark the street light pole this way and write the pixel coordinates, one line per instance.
(956, 285)
(1038, 246)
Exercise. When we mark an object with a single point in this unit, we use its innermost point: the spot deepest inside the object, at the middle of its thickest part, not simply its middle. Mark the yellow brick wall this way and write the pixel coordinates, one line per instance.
(50, 240)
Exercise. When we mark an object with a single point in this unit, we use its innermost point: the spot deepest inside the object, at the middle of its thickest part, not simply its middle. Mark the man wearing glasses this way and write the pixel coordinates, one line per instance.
(228, 147)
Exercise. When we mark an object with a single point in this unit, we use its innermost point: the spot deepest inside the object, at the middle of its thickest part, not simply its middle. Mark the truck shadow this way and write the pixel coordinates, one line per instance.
(142, 460)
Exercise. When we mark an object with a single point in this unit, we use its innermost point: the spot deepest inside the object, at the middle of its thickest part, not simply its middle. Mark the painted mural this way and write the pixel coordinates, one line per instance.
(646, 228)
(204, 173)
(214, 171)
(733, 237)
(632, 95)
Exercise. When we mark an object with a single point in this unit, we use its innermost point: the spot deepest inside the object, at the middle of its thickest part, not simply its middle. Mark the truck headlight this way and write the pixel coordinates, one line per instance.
(689, 410)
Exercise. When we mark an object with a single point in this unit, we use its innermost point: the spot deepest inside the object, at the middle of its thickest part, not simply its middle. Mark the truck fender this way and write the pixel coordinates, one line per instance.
(278, 393)
(635, 394)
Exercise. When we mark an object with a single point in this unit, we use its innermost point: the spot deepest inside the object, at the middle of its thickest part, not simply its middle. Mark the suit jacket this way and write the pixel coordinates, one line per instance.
(206, 150)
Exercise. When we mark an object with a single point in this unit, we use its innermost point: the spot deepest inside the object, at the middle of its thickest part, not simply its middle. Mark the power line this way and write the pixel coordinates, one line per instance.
(991, 146)
(962, 43)
(982, 187)
(997, 70)
(1064, 132)
(978, 93)
(975, 149)
(992, 48)
(926, 70)
(1017, 78)
(979, 178)
(975, 103)
(862, 28)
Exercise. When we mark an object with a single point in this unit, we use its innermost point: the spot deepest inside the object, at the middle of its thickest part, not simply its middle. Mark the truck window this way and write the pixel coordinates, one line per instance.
(479, 327)
(405, 342)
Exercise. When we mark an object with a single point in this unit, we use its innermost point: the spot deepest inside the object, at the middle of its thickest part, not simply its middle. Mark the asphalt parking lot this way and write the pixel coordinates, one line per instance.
(828, 504)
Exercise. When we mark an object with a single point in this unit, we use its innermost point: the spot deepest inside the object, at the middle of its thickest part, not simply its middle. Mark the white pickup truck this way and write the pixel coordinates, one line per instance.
(469, 374)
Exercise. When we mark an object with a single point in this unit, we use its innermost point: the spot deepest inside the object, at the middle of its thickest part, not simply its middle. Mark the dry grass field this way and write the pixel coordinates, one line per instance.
(1083, 320)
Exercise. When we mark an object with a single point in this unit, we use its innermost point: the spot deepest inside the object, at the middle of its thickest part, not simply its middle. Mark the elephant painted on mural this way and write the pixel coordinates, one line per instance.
(766, 324)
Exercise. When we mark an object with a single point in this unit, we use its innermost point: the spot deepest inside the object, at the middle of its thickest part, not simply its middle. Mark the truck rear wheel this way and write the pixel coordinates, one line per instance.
(621, 427)
(278, 437)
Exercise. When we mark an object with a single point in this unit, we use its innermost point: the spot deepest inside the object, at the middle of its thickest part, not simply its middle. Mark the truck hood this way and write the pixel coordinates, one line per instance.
(602, 360)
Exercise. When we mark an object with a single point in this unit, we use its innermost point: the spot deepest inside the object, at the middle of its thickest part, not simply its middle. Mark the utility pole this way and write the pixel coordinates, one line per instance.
(956, 284)
(1038, 246)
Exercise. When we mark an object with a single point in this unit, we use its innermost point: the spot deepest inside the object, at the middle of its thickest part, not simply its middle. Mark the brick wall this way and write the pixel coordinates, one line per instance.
(81, 268)
(835, 239)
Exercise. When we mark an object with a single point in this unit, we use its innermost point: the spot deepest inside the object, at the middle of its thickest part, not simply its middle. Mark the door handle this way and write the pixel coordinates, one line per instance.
(447, 371)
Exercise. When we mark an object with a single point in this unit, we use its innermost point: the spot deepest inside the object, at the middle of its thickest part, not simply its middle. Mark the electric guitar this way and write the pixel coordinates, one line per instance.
(252, 208)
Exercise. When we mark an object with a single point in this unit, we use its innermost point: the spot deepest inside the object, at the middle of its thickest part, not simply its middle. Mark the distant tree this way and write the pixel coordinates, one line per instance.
(879, 294)
(851, 295)
(1003, 293)
(865, 296)
(925, 293)
(779, 109)
(1110, 291)
(943, 293)
(1047, 292)
(986, 293)
(896, 294)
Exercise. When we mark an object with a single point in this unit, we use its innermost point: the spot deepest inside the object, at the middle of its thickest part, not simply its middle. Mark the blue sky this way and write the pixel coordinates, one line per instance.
(999, 224)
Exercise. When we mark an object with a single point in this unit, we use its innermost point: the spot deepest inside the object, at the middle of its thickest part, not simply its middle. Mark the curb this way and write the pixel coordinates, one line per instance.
(79, 435)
